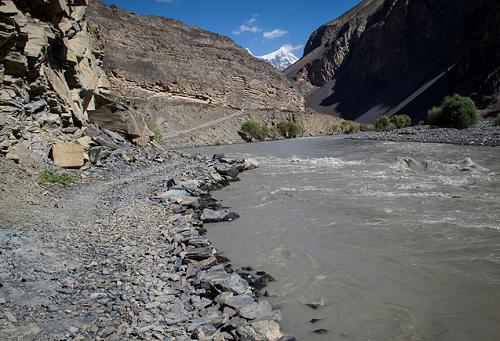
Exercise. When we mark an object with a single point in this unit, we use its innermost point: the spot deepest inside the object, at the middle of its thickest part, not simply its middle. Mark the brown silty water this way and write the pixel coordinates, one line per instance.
(393, 241)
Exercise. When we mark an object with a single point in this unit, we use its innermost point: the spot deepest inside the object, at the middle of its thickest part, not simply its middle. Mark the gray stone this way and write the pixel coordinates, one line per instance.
(228, 282)
(200, 253)
(227, 169)
(261, 330)
(35, 107)
(9, 317)
(213, 216)
(146, 317)
(179, 196)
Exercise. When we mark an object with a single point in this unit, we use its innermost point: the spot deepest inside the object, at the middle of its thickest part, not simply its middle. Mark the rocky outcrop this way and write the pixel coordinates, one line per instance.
(50, 75)
(392, 56)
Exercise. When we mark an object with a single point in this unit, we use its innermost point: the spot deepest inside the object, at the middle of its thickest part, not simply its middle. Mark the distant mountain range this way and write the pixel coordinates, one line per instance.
(281, 59)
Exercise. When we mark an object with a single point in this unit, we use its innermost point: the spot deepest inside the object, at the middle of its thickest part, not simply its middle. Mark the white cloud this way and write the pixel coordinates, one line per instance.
(291, 48)
(276, 33)
(248, 28)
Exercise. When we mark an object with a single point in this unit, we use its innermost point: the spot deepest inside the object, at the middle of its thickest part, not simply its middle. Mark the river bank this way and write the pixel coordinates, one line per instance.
(122, 254)
(484, 134)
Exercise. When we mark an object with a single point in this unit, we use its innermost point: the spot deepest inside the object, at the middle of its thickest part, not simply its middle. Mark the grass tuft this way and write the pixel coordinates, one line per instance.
(49, 176)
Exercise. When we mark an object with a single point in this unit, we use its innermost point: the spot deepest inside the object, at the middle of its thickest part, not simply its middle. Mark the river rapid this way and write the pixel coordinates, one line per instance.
(393, 241)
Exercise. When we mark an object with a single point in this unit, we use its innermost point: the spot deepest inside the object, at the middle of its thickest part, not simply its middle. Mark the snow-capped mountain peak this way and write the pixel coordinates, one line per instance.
(280, 59)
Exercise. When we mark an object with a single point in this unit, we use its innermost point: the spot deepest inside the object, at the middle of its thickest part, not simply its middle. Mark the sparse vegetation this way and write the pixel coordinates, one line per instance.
(49, 176)
(455, 112)
(401, 121)
(496, 121)
(350, 127)
(366, 127)
(289, 129)
(156, 130)
(345, 127)
(385, 123)
(254, 130)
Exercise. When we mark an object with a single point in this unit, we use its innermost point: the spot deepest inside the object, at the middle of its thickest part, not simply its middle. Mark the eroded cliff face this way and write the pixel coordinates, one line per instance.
(385, 57)
(51, 80)
(155, 58)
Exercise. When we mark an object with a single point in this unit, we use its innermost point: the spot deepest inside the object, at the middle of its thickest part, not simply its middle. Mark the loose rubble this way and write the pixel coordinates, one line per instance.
(126, 258)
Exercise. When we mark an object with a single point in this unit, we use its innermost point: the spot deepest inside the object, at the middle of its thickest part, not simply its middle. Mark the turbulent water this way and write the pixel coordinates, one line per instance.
(394, 241)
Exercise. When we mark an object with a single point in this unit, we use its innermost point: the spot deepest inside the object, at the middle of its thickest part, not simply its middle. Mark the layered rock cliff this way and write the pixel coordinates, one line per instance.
(52, 85)
(390, 56)
(150, 57)
(185, 77)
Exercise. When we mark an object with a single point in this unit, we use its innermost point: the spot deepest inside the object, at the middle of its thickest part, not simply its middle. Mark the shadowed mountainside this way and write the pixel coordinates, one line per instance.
(392, 56)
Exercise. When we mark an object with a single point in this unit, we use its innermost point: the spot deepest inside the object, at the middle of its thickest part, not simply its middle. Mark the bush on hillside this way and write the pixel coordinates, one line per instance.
(289, 129)
(455, 112)
(253, 130)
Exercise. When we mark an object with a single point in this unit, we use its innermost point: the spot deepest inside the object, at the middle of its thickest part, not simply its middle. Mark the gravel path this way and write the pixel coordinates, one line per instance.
(124, 257)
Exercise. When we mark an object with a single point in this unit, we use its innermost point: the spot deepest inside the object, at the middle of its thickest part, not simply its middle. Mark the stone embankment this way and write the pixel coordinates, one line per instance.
(124, 255)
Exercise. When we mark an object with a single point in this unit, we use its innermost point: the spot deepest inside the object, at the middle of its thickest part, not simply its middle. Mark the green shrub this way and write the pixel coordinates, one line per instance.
(337, 128)
(401, 121)
(366, 127)
(289, 129)
(49, 176)
(383, 123)
(156, 130)
(455, 112)
(350, 127)
(254, 130)
(496, 121)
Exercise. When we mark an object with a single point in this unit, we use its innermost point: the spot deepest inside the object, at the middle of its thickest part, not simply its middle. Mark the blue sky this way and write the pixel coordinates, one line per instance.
(260, 25)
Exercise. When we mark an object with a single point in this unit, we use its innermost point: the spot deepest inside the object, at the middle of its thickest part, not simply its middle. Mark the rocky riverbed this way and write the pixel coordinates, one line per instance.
(122, 255)
(484, 134)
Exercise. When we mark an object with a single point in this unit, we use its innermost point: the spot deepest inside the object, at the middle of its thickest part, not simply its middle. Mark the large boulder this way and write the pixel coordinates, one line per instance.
(113, 114)
(68, 155)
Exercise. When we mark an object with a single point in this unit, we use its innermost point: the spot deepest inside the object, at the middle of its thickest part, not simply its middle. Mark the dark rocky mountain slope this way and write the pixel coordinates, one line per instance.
(392, 56)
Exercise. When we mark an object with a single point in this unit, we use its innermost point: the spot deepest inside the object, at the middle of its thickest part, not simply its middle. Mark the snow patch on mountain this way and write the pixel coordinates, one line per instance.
(281, 58)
